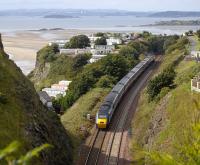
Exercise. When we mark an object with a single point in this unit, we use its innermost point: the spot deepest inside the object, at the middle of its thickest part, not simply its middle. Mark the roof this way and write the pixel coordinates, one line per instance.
(44, 95)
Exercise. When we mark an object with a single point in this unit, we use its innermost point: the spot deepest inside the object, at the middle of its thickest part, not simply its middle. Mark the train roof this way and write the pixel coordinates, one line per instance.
(111, 97)
(129, 75)
(118, 87)
(124, 80)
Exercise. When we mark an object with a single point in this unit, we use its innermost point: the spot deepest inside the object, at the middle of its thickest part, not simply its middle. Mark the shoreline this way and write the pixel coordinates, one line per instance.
(24, 44)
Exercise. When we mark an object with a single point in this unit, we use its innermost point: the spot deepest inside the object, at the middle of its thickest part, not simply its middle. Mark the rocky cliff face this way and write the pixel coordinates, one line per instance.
(24, 118)
(1, 45)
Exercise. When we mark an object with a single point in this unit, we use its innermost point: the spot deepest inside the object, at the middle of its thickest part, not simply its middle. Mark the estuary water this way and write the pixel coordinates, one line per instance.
(108, 23)
(24, 46)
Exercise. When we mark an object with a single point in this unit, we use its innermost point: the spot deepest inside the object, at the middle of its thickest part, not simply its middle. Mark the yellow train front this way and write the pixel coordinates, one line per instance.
(102, 121)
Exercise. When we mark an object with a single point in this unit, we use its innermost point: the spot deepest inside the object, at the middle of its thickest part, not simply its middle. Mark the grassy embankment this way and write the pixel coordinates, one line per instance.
(74, 120)
(165, 125)
(198, 42)
(23, 117)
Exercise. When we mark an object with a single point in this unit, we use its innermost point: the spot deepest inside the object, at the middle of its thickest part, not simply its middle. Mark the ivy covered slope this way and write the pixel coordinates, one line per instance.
(165, 122)
(52, 67)
(23, 117)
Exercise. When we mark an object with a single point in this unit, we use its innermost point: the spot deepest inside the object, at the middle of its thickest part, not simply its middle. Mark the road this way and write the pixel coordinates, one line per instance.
(110, 147)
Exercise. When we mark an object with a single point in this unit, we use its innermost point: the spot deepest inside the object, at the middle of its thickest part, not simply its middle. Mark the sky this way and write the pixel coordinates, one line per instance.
(132, 5)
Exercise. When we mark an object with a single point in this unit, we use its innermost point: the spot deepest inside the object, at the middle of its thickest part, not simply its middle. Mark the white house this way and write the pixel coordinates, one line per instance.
(64, 82)
(195, 84)
(102, 49)
(195, 54)
(95, 58)
(57, 89)
(75, 51)
(93, 38)
(113, 41)
(60, 43)
(54, 92)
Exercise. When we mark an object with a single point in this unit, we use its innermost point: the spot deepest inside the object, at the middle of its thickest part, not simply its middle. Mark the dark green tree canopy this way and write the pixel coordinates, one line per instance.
(101, 41)
(198, 33)
(80, 41)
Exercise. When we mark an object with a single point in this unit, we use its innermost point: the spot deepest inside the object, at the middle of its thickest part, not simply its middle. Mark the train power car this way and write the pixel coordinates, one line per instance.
(107, 109)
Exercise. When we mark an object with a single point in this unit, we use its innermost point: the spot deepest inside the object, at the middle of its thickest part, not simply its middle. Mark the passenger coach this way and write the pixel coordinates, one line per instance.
(107, 109)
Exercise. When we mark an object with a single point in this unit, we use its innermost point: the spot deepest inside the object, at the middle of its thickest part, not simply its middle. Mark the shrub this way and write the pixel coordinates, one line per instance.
(101, 41)
(164, 79)
(8, 154)
(106, 82)
(80, 41)
(3, 98)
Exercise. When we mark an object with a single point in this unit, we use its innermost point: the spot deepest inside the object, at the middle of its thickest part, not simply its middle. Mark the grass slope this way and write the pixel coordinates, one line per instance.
(165, 125)
(23, 117)
(75, 118)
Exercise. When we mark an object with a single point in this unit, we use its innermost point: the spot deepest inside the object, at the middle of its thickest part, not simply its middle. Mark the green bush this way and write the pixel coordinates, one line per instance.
(115, 66)
(80, 41)
(3, 98)
(106, 82)
(198, 33)
(101, 41)
(164, 79)
(8, 154)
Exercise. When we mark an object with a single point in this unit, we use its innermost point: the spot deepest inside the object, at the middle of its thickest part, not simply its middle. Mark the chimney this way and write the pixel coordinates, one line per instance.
(1, 44)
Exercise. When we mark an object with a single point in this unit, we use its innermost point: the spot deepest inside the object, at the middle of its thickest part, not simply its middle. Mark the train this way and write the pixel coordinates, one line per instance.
(107, 109)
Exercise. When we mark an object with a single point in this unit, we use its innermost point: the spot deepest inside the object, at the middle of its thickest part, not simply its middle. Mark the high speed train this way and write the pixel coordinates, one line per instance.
(107, 109)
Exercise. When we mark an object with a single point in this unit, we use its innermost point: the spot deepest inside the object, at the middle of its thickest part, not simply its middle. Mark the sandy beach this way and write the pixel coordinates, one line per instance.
(22, 46)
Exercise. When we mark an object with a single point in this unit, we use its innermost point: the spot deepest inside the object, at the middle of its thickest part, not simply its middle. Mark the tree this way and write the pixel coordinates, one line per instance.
(101, 41)
(3, 98)
(80, 41)
(115, 65)
(80, 61)
(198, 33)
(128, 50)
(100, 34)
(156, 44)
(55, 48)
(164, 79)
(106, 82)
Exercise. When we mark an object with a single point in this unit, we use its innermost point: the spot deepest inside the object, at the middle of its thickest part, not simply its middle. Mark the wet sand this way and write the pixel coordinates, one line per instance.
(22, 46)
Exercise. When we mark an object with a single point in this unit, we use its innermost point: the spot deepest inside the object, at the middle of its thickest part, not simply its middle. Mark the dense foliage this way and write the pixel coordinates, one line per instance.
(198, 33)
(47, 54)
(189, 150)
(115, 66)
(80, 41)
(100, 34)
(106, 82)
(9, 154)
(101, 41)
(164, 79)
(3, 98)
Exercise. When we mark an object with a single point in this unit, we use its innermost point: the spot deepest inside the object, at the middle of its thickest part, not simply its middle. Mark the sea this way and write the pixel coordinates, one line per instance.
(107, 23)
(11, 24)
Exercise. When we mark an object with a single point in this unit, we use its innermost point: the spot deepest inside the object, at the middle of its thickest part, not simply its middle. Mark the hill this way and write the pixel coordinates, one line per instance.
(165, 126)
(175, 14)
(23, 117)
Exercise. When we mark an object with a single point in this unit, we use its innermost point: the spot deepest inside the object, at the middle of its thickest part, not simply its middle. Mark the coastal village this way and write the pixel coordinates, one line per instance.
(97, 51)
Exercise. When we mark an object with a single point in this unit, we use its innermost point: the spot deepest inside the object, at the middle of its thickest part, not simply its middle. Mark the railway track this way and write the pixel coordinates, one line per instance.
(105, 145)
